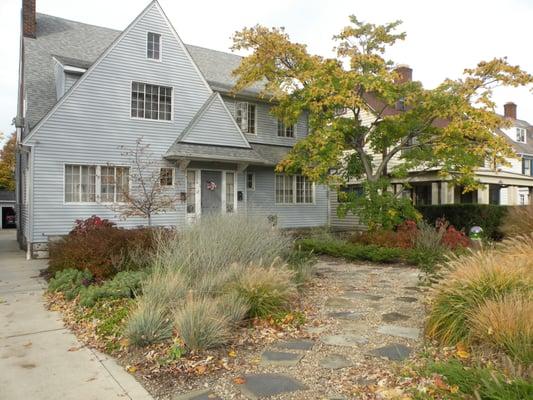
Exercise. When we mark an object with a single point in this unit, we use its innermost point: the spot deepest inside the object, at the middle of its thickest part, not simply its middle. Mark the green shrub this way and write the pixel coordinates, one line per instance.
(472, 280)
(103, 249)
(267, 291)
(123, 285)
(465, 216)
(148, 323)
(340, 248)
(482, 383)
(518, 220)
(428, 249)
(201, 324)
(70, 282)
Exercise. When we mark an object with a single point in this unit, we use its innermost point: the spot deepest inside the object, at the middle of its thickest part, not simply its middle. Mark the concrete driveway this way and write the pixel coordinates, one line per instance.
(39, 357)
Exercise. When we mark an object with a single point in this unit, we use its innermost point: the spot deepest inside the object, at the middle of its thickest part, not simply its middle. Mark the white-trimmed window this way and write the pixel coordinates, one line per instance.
(250, 181)
(151, 101)
(285, 130)
(81, 183)
(520, 135)
(245, 116)
(166, 177)
(230, 192)
(294, 189)
(153, 46)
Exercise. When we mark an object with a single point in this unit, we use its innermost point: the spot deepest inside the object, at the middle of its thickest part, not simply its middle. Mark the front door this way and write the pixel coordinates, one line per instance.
(211, 192)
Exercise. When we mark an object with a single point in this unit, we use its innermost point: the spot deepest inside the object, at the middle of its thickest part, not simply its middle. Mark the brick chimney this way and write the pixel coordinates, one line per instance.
(509, 110)
(405, 72)
(29, 24)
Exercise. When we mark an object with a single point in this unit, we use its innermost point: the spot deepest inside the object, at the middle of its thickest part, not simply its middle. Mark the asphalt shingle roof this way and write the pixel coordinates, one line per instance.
(194, 151)
(79, 45)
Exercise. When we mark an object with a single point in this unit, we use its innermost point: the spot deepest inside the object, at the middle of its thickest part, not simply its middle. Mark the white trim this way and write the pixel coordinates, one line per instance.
(294, 195)
(160, 59)
(151, 119)
(90, 70)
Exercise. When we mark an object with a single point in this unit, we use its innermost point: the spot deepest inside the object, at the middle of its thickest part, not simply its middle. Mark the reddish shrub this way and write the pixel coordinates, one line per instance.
(403, 237)
(454, 239)
(99, 246)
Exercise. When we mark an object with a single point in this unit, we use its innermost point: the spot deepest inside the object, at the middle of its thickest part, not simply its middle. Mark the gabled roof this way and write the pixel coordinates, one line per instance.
(79, 45)
(200, 152)
(213, 124)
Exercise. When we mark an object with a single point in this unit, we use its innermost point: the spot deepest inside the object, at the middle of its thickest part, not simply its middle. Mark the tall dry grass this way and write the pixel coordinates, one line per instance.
(507, 323)
(470, 281)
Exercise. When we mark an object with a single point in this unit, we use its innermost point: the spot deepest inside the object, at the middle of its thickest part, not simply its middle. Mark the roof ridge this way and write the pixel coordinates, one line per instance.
(79, 22)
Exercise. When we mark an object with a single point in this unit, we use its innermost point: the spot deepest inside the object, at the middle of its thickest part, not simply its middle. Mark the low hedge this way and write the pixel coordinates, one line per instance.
(350, 251)
(465, 216)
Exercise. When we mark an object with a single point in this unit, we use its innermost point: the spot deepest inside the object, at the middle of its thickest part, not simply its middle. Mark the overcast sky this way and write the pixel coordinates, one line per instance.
(443, 37)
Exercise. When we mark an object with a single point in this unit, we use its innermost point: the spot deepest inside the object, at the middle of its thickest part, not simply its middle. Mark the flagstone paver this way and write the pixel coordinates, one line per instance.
(340, 302)
(260, 386)
(335, 361)
(280, 358)
(407, 299)
(347, 315)
(394, 317)
(395, 352)
(399, 331)
(296, 345)
(344, 340)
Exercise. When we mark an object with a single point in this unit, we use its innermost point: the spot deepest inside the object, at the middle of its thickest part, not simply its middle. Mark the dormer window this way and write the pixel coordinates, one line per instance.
(153, 46)
(520, 135)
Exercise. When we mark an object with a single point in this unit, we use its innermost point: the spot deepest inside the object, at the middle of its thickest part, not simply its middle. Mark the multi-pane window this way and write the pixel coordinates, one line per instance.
(520, 135)
(527, 166)
(285, 130)
(166, 177)
(291, 189)
(349, 192)
(230, 192)
(245, 116)
(191, 192)
(81, 183)
(250, 181)
(151, 101)
(153, 46)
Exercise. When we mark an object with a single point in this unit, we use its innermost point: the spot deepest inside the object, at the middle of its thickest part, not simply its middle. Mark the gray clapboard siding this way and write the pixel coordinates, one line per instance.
(262, 202)
(267, 125)
(94, 120)
(348, 222)
(213, 125)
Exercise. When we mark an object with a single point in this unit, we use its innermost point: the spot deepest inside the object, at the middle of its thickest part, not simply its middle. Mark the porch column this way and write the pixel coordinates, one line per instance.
(435, 195)
(483, 195)
(446, 193)
(512, 195)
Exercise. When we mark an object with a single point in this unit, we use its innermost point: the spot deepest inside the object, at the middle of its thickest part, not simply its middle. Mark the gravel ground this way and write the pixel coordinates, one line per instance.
(367, 290)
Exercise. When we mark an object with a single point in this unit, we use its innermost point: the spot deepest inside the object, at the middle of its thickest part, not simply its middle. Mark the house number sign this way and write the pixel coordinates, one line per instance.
(211, 185)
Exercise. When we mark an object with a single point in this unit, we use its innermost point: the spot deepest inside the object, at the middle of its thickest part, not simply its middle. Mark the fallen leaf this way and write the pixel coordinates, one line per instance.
(232, 353)
(239, 380)
(200, 370)
(131, 369)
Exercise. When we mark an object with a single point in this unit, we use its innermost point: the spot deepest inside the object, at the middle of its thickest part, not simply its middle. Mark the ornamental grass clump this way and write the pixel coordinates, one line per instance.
(202, 324)
(267, 291)
(507, 324)
(470, 281)
(148, 323)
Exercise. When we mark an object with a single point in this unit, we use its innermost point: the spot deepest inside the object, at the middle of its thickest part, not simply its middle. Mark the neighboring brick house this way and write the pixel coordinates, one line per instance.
(85, 90)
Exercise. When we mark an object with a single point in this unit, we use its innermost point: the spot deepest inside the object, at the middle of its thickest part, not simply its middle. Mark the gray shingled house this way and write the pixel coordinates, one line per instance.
(85, 90)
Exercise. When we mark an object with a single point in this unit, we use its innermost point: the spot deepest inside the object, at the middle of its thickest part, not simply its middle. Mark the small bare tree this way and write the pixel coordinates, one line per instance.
(143, 195)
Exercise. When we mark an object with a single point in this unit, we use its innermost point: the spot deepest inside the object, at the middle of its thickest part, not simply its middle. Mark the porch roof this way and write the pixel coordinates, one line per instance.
(200, 152)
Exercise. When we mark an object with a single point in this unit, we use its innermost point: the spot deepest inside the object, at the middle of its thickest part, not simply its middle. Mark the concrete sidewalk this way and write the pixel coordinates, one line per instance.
(39, 357)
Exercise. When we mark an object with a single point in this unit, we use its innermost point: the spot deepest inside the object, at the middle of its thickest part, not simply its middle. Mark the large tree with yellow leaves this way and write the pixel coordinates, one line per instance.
(450, 127)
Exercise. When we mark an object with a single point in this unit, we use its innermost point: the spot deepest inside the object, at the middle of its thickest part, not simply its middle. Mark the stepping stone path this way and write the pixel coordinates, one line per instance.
(407, 299)
(198, 395)
(335, 361)
(260, 386)
(364, 326)
(347, 315)
(344, 340)
(296, 345)
(393, 317)
(399, 331)
(280, 358)
(394, 352)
